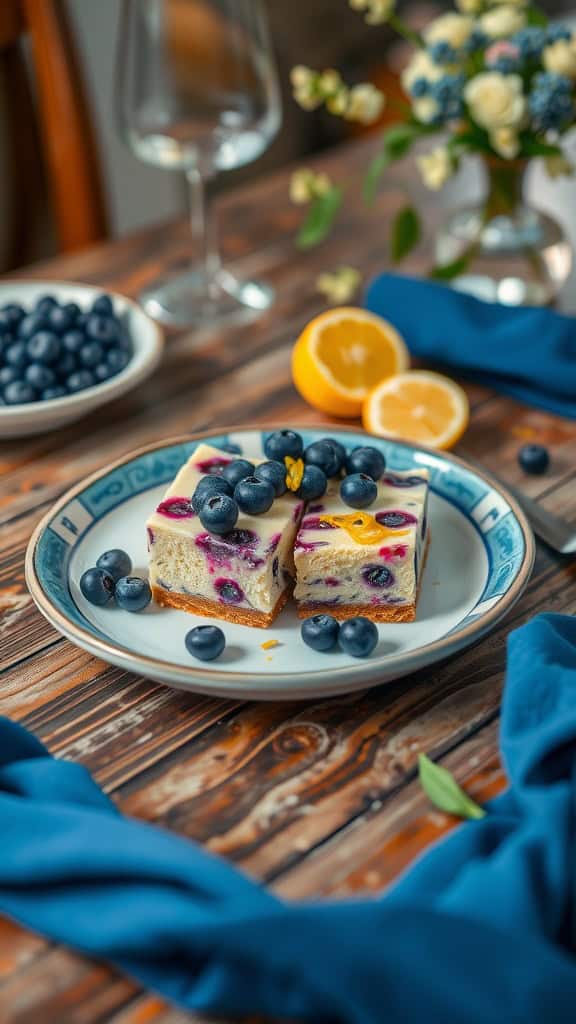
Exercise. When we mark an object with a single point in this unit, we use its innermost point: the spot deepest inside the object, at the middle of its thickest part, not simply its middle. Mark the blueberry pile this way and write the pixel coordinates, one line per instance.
(110, 578)
(357, 636)
(244, 487)
(57, 349)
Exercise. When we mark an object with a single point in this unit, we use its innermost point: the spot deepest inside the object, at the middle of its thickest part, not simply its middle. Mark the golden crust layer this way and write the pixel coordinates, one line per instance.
(215, 610)
(377, 613)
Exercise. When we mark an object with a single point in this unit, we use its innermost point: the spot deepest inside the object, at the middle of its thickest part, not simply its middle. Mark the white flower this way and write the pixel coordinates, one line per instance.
(302, 77)
(435, 167)
(425, 109)
(496, 100)
(557, 166)
(505, 142)
(329, 82)
(365, 103)
(339, 286)
(469, 6)
(421, 66)
(377, 11)
(560, 57)
(449, 28)
(502, 21)
(305, 185)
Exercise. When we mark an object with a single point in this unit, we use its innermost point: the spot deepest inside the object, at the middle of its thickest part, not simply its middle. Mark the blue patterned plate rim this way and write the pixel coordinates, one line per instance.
(483, 500)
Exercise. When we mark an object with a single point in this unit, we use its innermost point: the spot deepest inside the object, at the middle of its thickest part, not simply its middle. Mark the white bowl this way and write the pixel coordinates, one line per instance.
(147, 340)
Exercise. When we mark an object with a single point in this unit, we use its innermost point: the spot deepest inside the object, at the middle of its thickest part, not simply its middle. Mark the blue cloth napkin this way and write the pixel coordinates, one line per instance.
(480, 930)
(526, 352)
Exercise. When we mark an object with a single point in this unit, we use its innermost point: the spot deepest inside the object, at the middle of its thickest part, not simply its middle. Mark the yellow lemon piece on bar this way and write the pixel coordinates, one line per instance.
(341, 355)
(422, 407)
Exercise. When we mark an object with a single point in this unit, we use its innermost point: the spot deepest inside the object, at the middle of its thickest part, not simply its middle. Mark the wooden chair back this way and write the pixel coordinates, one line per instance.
(48, 127)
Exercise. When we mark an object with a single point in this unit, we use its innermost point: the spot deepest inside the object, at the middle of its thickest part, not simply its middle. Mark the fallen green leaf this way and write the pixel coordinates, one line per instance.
(405, 233)
(442, 789)
(319, 218)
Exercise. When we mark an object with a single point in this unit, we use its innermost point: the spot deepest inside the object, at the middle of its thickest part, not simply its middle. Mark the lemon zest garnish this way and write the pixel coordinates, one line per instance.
(268, 644)
(294, 472)
(363, 528)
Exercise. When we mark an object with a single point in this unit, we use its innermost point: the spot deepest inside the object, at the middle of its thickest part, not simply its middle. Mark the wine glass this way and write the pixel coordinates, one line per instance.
(196, 91)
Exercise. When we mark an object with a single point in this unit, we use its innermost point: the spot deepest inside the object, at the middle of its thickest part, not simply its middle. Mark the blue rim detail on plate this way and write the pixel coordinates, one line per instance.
(503, 535)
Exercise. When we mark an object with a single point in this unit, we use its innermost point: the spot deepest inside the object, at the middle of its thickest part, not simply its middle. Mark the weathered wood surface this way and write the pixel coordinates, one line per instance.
(317, 799)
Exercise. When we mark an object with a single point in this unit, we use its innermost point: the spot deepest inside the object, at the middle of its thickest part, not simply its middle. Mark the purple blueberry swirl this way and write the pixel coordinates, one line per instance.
(176, 508)
(395, 519)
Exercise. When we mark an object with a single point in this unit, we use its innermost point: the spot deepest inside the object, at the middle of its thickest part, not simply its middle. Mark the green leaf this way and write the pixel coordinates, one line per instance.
(448, 271)
(405, 233)
(531, 147)
(536, 17)
(319, 218)
(395, 144)
(442, 789)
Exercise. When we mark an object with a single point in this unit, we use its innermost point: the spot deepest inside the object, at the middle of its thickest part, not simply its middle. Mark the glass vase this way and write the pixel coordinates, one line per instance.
(503, 249)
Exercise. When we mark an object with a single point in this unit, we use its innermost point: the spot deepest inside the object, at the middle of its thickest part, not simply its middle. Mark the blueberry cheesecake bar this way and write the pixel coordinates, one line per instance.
(361, 549)
(221, 541)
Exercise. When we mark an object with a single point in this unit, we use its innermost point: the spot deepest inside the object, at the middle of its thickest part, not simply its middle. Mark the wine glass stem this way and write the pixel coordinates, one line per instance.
(203, 227)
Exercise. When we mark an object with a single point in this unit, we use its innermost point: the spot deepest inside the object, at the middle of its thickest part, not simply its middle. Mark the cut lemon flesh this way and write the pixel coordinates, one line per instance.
(341, 355)
(423, 407)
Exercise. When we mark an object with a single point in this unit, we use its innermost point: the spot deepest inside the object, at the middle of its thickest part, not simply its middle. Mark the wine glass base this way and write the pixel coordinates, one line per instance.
(190, 300)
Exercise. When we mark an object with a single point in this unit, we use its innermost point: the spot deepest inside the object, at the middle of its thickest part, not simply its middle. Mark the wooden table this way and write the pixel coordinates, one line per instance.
(318, 799)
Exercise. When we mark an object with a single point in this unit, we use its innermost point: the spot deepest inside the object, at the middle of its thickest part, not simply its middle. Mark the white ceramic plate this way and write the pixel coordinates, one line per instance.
(480, 560)
(39, 417)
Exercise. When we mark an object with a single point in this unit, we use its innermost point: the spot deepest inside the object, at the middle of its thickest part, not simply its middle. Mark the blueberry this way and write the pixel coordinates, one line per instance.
(19, 392)
(254, 496)
(358, 490)
(56, 392)
(73, 310)
(207, 487)
(102, 329)
(534, 458)
(236, 471)
(43, 347)
(7, 375)
(282, 443)
(6, 340)
(205, 642)
(16, 356)
(102, 372)
(378, 576)
(39, 376)
(31, 324)
(116, 563)
(60, 319)
(97, 586)
(219, 514)
(229, 591)
(366, 460)
(103, 306)
(66, 365)
(73, 340)
(90, 354)
(320, 632)
(358, 636)
(273, 473)
(313, 483)
(132, 593)
(79, 381)
(231, 447)
(45, 303)
(11, 315)
(325, 455)
(117, 360)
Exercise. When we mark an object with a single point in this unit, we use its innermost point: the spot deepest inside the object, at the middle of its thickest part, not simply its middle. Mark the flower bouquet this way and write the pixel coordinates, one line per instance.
(492, 79)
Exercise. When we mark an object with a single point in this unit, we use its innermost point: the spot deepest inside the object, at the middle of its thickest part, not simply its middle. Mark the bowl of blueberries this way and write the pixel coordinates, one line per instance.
(66, 349)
